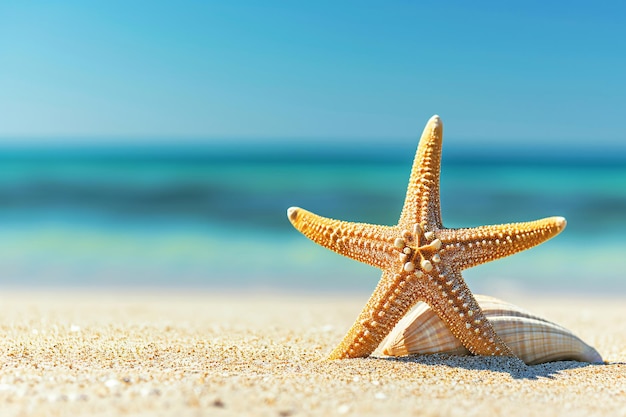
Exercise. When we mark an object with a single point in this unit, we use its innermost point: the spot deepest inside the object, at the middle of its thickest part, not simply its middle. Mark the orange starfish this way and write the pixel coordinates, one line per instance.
(422, 260)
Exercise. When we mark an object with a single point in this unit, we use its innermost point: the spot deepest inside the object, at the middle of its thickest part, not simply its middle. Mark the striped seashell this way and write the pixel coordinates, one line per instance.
(533, 339)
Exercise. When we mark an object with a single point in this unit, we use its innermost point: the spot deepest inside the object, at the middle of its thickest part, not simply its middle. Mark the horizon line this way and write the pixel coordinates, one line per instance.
(313, 151)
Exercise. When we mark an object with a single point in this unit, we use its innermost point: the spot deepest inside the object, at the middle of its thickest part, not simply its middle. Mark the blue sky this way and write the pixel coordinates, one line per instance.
(534, 71)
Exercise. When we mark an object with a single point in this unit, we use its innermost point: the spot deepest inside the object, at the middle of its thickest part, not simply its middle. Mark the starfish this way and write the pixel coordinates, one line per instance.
(422, 260)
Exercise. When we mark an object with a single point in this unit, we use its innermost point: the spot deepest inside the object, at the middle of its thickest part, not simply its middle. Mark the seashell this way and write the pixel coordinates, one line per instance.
(531, 338)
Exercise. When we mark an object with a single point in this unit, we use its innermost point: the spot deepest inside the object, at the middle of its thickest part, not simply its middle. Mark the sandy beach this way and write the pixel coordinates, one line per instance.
(84, 353)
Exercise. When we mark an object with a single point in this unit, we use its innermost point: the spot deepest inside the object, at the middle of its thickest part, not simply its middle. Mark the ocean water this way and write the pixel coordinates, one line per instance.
(213, 217)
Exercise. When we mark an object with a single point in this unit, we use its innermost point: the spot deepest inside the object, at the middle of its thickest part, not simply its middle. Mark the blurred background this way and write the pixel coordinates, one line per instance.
(158, 146)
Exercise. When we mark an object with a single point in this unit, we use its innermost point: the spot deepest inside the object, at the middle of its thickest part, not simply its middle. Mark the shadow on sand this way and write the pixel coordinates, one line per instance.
(513, 366)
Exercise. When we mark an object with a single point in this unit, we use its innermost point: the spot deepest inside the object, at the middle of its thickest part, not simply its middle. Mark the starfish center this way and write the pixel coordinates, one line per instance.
(418, 250)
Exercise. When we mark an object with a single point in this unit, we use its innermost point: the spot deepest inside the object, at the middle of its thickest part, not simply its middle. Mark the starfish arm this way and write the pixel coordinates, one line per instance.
(393, 297)
(473, 246)
(454, 303)
(421, 204)
(363, 242)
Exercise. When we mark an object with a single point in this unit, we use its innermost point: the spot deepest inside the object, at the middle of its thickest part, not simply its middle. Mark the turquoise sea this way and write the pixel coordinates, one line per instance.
(213, 217)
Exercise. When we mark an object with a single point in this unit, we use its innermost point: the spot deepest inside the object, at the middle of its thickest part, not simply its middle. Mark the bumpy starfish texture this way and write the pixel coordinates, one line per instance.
(422, 260)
